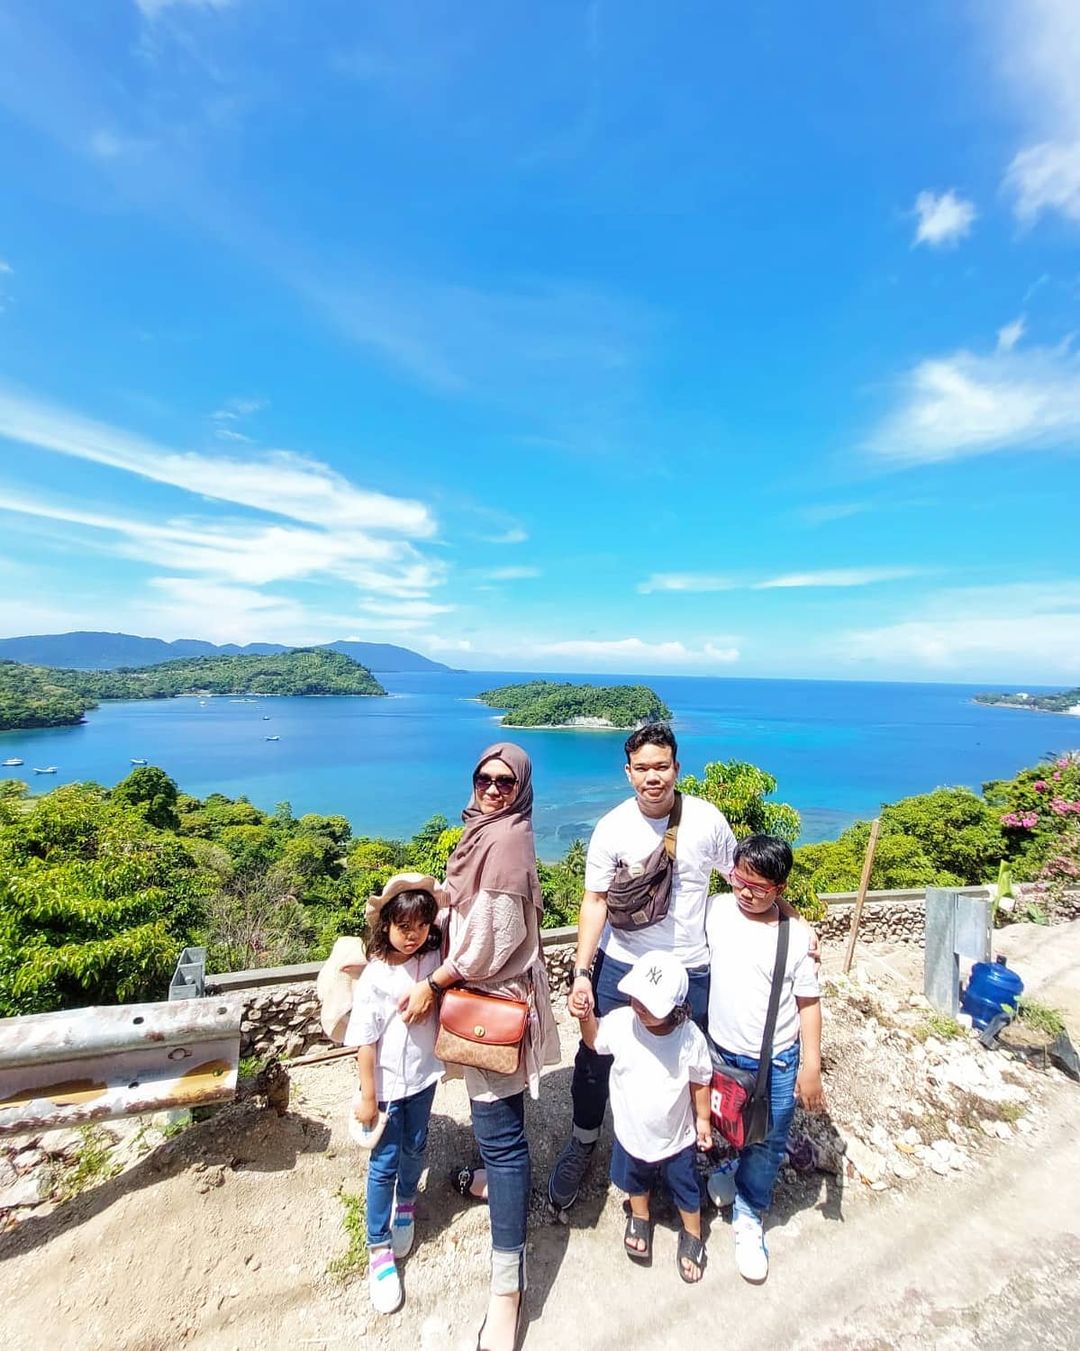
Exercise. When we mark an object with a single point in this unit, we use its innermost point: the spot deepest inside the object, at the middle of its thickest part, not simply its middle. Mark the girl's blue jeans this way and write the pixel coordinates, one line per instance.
(755, 1176)
(397, 1160)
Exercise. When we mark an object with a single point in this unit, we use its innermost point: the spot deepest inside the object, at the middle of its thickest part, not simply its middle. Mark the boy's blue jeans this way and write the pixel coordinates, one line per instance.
(755, 1176)
(398, 1159)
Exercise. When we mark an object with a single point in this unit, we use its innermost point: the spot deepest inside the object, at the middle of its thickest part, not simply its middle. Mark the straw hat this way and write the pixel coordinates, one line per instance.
(394, 886)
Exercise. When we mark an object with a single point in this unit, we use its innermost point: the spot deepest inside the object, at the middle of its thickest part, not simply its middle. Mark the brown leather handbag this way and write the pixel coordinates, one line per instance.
(485, 1031)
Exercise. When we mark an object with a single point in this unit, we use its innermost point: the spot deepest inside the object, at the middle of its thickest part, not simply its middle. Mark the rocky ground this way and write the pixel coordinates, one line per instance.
(151, 1234)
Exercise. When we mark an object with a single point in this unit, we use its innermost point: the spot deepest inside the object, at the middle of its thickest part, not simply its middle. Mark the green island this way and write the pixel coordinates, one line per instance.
(1065, 701)
(102, 888)
(42, 696)
(547, 703)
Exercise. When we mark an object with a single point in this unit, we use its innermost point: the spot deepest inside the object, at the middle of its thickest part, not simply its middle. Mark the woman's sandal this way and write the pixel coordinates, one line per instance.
(519, 1325)
(461, 1179)
(691, 1250)
(639, 1231)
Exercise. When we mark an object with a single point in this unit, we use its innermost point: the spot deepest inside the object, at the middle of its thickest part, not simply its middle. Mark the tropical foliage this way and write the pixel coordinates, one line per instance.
(41, 696)
(546, 703)
(1064, 701)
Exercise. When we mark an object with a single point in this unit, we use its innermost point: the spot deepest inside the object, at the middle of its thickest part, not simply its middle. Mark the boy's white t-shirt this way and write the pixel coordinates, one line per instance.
(650, 1083)
(742, 954)
(405, 1061)
(704, 842)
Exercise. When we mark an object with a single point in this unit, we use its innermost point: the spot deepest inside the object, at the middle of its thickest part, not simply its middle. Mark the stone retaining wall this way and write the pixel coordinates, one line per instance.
(880, 923)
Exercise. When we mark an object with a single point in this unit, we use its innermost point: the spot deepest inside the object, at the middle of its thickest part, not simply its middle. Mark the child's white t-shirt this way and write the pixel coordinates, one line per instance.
(742, 954)
(405, 1061)
(650, 1083)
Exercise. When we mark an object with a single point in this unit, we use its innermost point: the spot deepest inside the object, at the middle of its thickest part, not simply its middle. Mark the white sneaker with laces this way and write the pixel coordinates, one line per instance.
(751, 1254)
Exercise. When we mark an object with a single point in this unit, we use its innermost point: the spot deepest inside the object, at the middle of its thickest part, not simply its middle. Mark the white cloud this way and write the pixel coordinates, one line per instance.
(510, 574)
(434, 642)
(838, 577)
(1010, 334)
(1028, 631)
(706, 581)
(279, 481)
(638, 652)
(685, 581)
(153, 9)
(227, 434)
(966, 404)
(1046, 177)
(943, 219)
(826, 512)
(515, 535)
(6, 269)
(111, 145)
(405, 609)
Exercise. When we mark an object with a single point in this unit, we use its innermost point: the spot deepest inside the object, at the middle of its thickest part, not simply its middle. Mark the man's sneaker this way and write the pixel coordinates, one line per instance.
(384, 1283)
(569, 1173)
(751, 1254)
(403, 1228)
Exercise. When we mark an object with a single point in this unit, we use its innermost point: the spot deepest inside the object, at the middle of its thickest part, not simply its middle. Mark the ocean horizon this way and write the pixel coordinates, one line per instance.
(838, 748)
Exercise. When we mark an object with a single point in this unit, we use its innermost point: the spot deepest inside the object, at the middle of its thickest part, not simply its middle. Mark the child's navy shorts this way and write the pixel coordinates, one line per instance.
(637, 1177)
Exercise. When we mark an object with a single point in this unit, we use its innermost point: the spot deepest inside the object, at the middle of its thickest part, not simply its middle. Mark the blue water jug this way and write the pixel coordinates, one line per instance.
(991, 987)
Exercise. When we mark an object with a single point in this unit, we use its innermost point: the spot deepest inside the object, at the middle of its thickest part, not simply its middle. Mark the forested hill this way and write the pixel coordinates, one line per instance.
(90, 651)
(39, 696)
(547, 703)
(1064, 702)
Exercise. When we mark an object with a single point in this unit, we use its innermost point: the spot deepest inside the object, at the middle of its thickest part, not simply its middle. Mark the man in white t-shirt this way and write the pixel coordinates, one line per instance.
(629, 834)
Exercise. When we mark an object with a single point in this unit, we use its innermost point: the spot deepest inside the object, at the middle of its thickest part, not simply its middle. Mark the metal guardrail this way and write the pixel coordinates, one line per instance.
(82, 1065)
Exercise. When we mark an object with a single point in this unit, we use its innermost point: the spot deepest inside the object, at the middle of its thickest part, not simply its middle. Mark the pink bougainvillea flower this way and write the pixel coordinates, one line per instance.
(1040, 785)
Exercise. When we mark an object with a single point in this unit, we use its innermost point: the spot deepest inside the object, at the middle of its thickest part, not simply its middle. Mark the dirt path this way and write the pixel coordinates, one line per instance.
(224, 1238)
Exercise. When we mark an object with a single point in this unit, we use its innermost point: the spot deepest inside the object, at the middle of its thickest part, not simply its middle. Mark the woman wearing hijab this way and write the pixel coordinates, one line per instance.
(494, 947)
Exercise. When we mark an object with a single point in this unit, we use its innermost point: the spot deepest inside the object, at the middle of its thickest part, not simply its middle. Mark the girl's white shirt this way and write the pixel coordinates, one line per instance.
(405, 1061)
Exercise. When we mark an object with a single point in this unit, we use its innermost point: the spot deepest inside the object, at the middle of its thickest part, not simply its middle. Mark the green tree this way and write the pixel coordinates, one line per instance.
(739, 790)
(154, 792)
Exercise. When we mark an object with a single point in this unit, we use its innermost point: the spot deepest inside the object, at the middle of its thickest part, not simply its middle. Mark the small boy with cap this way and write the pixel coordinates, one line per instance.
(660, 1082)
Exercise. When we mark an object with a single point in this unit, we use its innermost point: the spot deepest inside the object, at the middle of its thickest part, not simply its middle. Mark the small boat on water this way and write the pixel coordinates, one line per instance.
(266, 717)
(273, 738)
(49, 769)
(135, 760)
(14, 760)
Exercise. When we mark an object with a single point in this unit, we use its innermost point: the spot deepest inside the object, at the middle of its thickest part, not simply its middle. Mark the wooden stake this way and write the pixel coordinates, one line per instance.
(864, 882)
(318, 1057)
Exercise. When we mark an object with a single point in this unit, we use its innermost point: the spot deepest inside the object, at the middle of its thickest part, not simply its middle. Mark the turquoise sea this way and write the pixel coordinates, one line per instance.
(838, 749)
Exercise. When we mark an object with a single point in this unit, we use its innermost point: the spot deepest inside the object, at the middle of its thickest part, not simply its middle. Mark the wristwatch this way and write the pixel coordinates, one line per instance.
(583, 971)
(435, 989)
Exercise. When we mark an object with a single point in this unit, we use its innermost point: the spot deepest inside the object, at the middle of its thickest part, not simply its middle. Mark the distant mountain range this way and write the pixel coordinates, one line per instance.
(106, 651)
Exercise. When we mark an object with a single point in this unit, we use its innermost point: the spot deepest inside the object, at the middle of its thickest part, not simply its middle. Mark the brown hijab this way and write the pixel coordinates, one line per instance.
(497, 852)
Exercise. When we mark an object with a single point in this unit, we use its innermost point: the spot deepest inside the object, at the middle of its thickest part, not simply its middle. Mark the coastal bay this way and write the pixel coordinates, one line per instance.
(837, 748)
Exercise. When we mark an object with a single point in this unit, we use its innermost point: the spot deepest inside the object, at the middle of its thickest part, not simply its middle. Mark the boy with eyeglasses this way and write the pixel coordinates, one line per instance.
(742, 934)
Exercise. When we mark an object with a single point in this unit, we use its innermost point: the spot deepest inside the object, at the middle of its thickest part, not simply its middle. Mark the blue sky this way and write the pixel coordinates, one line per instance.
(574, 336)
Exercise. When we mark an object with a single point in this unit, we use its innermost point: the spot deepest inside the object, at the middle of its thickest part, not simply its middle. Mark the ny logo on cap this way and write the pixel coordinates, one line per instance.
(654, 975)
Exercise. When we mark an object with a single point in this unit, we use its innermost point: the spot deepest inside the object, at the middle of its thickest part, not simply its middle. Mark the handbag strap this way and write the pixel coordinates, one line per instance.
(765, 1059)
(671, 834)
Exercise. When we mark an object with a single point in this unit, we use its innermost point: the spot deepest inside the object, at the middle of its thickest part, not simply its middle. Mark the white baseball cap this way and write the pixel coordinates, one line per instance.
(658, 980)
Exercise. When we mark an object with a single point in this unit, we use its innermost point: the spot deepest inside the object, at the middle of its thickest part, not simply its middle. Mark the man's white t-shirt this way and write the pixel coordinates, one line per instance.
(405, 1060)
(704, 842)
(650, 1083)
(742, 957)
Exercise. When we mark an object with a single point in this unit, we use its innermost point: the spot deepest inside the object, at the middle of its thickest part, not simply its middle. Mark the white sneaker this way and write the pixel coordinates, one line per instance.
(384, 1283)
(403, 1227)
(751, 1254)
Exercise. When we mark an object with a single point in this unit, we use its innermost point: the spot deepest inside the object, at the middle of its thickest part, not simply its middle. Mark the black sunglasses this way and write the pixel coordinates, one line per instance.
(503, 782)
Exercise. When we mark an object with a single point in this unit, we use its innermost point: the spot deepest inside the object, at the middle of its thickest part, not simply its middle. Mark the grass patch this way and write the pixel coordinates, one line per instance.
(171, 1129)
(1040, 1017)
(91, 1163)
(939, 1025)
(354, 1260)
(250, 1067)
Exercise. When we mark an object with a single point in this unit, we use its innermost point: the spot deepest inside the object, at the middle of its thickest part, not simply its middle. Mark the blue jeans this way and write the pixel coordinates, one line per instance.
(755, 1176)
(397, 1160)
(638, 1178)
(499, 1128)
(589, 1086)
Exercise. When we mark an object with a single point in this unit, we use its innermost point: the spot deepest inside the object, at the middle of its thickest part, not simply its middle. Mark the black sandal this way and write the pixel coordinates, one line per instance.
(461, 1179)
(641, 1230)
(690, 1249)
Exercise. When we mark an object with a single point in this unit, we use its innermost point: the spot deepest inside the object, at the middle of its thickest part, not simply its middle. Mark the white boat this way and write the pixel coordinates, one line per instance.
(266, 717)
(136, 761)
(8, 764)
(49, 769)
(273, 738)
